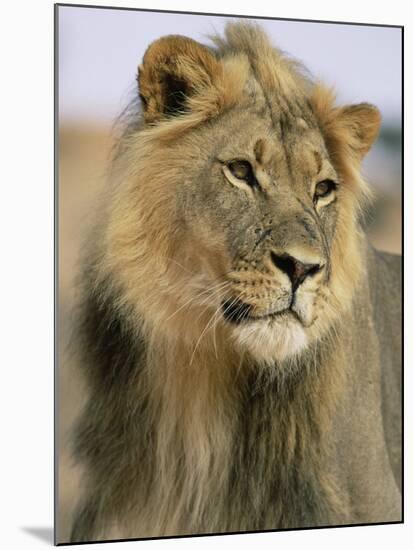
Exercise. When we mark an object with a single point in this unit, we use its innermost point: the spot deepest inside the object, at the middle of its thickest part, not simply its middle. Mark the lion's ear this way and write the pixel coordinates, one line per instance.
(177, 75)
(361, 124)
(349, 129)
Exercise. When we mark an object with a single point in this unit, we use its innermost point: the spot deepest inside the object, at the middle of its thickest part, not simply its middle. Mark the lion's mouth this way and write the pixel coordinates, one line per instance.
(238, 312)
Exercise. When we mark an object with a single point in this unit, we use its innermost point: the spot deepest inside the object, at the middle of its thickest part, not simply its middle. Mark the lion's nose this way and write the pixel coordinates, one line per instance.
(296, 270)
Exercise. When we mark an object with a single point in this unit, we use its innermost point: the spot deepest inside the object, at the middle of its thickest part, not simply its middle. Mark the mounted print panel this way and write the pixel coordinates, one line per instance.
(229, 274)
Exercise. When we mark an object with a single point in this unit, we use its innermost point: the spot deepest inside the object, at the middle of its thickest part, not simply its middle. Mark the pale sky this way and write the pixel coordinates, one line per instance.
(100, 49)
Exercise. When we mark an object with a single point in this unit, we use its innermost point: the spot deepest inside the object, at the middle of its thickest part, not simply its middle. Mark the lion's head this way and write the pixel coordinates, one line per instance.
(233, 219)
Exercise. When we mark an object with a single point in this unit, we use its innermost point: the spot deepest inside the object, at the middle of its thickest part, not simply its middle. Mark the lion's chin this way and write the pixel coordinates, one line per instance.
(270, 340)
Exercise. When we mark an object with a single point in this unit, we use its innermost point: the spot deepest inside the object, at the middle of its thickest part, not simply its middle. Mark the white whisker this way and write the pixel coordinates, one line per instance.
(194, 298)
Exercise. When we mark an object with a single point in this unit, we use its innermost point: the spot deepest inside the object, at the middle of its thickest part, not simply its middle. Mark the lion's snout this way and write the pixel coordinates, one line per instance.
(281, 281)
(296, 270)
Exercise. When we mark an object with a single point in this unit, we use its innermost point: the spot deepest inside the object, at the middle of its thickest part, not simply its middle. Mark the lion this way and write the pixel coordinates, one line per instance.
(240, 338)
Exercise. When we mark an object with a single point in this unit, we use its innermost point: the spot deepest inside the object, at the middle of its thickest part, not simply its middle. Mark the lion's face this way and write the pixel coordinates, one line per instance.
(251, 195)
(264, 208)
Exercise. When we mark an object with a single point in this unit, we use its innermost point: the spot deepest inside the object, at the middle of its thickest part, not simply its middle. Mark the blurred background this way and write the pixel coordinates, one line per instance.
(98, 54)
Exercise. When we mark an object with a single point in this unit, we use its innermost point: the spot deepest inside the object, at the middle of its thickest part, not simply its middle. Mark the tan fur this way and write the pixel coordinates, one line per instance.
(176, 239)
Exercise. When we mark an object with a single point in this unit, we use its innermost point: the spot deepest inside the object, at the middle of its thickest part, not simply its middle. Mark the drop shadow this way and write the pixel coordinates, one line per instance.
(43, 533)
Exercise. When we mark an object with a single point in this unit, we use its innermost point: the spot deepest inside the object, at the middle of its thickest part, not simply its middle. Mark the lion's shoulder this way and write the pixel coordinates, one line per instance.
(385, 280)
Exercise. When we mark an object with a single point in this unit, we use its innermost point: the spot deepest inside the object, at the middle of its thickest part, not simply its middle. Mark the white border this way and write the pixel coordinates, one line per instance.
(26, 229)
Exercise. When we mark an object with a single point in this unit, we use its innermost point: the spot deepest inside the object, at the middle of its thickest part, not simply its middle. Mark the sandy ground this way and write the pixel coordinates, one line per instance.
(83, 155)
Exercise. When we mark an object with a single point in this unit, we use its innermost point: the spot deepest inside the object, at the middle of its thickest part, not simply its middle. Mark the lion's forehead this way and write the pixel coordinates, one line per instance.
(299, 151)
(275, 134)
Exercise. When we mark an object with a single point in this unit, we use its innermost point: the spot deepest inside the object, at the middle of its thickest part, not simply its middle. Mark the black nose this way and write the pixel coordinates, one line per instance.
(294, 269)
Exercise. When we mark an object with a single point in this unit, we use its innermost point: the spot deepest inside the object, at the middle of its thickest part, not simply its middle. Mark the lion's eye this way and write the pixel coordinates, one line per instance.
(242, 170)
(323, 189)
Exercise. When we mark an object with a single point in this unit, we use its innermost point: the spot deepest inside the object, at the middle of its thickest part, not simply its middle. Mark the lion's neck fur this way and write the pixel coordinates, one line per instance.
(207, 439)
(245, 436)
